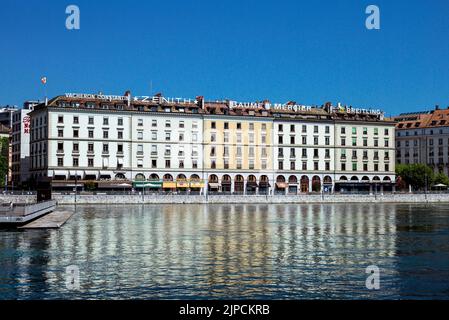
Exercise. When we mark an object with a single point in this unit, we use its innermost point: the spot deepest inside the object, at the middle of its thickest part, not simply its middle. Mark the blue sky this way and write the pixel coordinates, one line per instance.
(307, 51)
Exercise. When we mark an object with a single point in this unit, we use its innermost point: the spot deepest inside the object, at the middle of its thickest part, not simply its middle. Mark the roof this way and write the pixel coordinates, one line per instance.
(429, 119)
(199, 106)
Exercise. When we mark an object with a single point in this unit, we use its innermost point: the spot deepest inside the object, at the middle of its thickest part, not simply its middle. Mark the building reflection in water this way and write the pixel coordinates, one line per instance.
(218, 251)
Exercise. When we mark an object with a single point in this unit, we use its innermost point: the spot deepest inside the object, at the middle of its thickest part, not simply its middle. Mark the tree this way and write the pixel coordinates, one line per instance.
(418, 175)
(441, 178)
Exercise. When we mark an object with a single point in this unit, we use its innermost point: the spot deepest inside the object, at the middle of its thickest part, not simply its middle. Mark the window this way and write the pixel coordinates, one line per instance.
(304, 140)
(354, 130)
(105, 121)
(327, 153)
(327, 141)
(343, 141)
(239, 126)
(76, 120)
(376, 167)
(251, 138)
(281, 165)
(354, 142)
(90, 148)
(181, 164)
(304, 166)
(213, 125)
(181, 136)
(304, 128)
(365, 142)
(60, 119)
(327, 129)
(343, 154)
(91, 134)
(60, 147)
(181, 124)
(292, 128)
(304, 153)
(140, 149)
(154, 123)
(239, 137)
(60, 133)
(194, 137)
(386, 132)
(387, 142)
(365, 167)
(343, 166)
(167, 136)
(75, 162)
(105, 148)
(376, 142)
(376, 131)
(167, 123)
(354, 166)
(120, 148)
(154, 163)
(76, 147)
(315, 166)
(251, 126)
(91, 120)
(251, 164)
(120, 135)
(292, 140)
(90, 162)
(167, 151)
(365, 131)
(120, 121)
(226, 125)
(139, 163)
(343, 130)
(327, 166)
(213, 164)
(281, 139)
(387, 167)
(292, 165)
(60, 162)
(315, 141)
(105, 134)
(315, 129)
(76, 133)
(140, 122)
(213, 137)
(153, 135)
(194, 164)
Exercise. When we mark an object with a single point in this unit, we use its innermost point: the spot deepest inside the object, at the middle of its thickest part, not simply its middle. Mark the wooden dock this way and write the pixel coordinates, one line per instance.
(54, 220)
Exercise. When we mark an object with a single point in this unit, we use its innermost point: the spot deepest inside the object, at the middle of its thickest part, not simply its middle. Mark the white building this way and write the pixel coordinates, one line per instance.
(20, 143)
(103, 140)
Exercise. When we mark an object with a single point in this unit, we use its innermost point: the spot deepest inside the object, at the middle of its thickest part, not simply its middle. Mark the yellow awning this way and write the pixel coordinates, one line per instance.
(182, 184)
(169, 185)
(197, 185)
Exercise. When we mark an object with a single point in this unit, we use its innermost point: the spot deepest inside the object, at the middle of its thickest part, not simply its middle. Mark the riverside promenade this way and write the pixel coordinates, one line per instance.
(125, 199)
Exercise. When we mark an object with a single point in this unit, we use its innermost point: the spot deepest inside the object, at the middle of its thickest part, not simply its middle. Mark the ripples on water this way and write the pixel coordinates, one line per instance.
(232, 252)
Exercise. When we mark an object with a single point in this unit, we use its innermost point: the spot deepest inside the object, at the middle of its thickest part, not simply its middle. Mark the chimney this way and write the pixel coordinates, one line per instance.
(437, 107)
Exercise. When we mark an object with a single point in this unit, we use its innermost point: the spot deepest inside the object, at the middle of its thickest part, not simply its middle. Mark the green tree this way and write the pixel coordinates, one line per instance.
(417, 175)
(440, 178)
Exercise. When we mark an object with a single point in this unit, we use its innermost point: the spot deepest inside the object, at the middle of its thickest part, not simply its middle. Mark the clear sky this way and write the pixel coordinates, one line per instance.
(306, 51)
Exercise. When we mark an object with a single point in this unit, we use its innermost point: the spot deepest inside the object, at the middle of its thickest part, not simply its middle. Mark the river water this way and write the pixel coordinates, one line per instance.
(232, 252)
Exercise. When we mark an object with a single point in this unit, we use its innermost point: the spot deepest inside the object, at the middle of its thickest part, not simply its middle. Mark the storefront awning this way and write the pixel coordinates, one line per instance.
(281, 185)
(182, 184)
(169, 185)
(214, 185)
(197, 184)
(147, 184)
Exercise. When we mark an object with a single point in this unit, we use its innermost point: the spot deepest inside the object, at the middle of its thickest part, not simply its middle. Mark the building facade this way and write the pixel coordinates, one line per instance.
(182, 145)
(423, 137)
(20, 143)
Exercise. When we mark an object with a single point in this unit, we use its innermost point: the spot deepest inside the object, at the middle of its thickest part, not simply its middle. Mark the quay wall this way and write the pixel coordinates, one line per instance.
(223, 199)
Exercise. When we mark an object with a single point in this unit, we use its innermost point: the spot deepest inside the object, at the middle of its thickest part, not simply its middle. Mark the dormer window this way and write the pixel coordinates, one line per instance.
(167, 110)
(90, 105)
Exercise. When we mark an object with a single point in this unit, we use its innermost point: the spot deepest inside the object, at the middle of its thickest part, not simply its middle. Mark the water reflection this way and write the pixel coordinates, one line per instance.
(233, 251)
